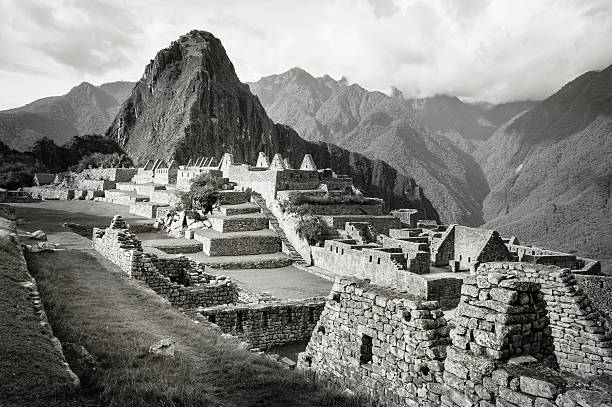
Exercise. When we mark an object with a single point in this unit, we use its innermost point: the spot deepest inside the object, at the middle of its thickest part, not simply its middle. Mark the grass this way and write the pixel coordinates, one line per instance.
(116, 319)
(31, 370)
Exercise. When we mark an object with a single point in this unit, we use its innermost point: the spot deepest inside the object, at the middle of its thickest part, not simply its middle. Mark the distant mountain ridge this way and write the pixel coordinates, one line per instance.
(190, 103)
(465, 124)
(85, 109)
(549, 170)
(379, 126)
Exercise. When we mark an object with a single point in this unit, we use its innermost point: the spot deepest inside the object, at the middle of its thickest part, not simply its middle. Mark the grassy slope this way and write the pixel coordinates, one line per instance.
(31, 370)
(117, 319)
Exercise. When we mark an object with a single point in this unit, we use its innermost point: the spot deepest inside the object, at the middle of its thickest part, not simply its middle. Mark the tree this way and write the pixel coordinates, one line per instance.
(203, 193)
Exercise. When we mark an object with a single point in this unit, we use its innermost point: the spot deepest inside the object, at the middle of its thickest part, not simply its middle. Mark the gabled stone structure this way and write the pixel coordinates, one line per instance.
(277, 163)
(308, 163)
(262, 160)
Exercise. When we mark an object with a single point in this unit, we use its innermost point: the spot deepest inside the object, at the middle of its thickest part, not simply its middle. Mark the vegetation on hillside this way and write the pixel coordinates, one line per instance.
(17, 168)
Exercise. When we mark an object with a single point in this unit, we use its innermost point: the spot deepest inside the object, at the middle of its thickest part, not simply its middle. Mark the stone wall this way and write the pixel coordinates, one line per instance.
(146, 209)
(268, 324)
(518, 329)
(382, 224)
(381, 342)
(179, 280)
(515, 321)
(50, 192)
(109, 174)
(582, 342)
(94, 184)
(599, 290)
(15, 196)
(343, 258)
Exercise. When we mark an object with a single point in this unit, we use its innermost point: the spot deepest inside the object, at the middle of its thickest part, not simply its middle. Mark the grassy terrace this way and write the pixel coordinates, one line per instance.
(31, 373)
(117, 319)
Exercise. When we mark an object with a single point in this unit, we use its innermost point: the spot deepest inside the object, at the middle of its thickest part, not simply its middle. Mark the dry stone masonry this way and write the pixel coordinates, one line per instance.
(179, 280)
(381, 342)
(524, 335)
(267, 324)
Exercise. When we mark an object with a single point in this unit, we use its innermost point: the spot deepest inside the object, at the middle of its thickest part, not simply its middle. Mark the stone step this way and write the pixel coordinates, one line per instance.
(240, 209)
(233, 197)
(124, 197)
(253, 261)
(146, 189)
(238, 243)
(174, 246)
(165, 196)
(146, 209)
(238, 223)
(125, 186)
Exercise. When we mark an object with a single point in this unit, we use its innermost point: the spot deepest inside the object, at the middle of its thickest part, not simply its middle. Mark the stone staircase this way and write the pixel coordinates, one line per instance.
(239, 236)
(275, 226)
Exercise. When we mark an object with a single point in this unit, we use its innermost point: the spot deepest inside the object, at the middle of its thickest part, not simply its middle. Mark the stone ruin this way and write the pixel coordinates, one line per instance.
(262, 322)
(420, 313)
(523, 335)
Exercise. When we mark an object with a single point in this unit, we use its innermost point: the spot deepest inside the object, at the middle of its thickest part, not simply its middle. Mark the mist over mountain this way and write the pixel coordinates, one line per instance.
(549, 170)
(379, 126)
(465, 124)
(85, 109)
(190, 103)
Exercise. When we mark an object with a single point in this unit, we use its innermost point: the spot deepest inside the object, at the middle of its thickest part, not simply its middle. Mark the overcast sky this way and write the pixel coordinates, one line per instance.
(493, 50)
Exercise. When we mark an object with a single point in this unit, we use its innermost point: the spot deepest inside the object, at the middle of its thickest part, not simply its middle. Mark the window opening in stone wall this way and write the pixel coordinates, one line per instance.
(321, 329)
(308, 360)
(378, 261)
(310, 315)
(460, 256)
(331, 248)
(370, 259)
(212, 318)
(342, 251)
(239, 321)
(336, 297)
(407, 316)
(469, 259)
(265, 319)
(366, 350)
(289, 316)
(336, 250)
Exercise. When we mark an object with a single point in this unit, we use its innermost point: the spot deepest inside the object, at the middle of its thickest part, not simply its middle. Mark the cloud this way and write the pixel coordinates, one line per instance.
(90, 37)
(495, 50)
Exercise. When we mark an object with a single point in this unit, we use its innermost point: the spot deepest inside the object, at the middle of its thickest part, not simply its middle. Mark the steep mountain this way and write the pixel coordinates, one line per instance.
(86, 109)
(549, 170)
(378, 126)
(190, 103)
(465, 124)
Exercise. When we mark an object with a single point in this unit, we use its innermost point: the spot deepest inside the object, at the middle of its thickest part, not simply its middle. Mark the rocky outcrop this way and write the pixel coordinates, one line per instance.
(190, 103)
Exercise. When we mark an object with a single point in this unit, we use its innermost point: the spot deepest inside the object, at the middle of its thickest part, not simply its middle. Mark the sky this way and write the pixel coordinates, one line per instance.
(478, 50)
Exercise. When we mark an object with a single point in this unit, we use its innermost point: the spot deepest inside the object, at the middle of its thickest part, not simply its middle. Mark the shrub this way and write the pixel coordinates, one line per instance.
(203, 193)
(311, 228)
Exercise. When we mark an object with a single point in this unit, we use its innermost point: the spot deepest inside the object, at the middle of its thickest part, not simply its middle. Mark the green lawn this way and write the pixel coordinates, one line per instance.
(117, 319)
